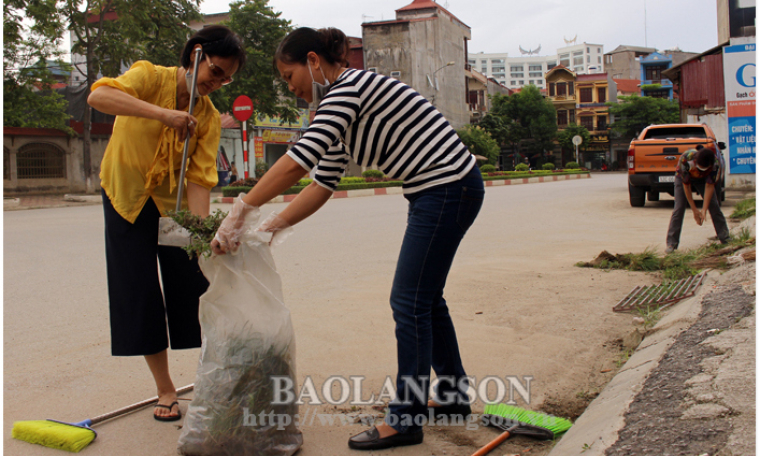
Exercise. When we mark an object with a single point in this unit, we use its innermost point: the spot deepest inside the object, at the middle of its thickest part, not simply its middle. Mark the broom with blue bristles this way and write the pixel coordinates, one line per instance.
(72, 436)
(516, 421)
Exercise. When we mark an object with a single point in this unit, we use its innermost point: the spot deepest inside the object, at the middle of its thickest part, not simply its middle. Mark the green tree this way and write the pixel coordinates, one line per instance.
(110, 33)
(565, 137)
(480, 142)
(538, 116)
(634, 113)
(261, 29)
(495, 121)
(522, 119)
(168, 31)
(31, 36)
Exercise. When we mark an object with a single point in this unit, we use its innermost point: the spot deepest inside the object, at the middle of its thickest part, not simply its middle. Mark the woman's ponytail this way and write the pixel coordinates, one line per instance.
(329, 43)
(335, 45)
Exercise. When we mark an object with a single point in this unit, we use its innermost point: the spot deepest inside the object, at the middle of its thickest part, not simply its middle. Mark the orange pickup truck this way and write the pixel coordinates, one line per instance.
(653, 156)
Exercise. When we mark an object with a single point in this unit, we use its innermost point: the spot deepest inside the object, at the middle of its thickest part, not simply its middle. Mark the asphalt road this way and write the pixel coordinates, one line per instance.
(336, 269)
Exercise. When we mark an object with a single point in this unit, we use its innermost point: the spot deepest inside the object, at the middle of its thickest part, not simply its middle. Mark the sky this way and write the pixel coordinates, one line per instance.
(503, 26)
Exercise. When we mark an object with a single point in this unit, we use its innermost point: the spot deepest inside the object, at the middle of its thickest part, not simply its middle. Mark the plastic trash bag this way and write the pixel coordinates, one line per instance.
(170, 233)
(247, 339)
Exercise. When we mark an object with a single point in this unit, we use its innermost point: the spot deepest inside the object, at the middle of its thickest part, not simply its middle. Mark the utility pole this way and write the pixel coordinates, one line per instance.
(646, 44)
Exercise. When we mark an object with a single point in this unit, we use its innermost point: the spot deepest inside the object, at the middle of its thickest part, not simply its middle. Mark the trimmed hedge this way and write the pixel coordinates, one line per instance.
(498, 175)
(504, 175)
(234, 191)
(376, 173)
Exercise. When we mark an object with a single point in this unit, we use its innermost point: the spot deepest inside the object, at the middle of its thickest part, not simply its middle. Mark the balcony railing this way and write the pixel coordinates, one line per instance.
(662, 82)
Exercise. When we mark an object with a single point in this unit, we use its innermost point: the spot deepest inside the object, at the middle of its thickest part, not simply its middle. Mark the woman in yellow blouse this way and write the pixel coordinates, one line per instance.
(140, 177)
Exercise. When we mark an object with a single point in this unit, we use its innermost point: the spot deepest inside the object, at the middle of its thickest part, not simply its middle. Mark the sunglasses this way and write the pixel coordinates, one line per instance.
(218, 73)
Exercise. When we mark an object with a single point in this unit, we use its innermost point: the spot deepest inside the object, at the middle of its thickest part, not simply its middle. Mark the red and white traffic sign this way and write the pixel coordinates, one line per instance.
(242, 108)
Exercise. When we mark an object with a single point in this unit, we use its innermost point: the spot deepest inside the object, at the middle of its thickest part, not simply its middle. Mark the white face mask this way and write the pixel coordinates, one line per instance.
(318, 91)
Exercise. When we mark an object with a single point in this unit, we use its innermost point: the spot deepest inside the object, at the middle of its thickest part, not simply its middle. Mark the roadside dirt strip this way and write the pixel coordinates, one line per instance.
(689, 389)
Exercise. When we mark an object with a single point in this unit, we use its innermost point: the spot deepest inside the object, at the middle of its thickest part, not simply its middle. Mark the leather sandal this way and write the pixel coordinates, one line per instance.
(168, 407)
(370, 440)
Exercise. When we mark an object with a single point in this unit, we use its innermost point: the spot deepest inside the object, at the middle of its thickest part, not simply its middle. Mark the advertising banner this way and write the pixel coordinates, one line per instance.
(302, 122)
(740, 82)
(280, 136)
(258, 147)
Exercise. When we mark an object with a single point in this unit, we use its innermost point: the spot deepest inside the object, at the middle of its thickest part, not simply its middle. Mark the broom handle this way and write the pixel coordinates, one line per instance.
(136, 406)
(187, 139)
(492, 444)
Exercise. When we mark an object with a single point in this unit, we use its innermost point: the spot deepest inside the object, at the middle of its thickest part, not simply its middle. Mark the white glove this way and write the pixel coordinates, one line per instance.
(240, 218)
(277, 226)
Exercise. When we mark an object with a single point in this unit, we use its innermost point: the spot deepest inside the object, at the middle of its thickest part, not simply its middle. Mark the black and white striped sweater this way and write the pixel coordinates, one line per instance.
(380, 121)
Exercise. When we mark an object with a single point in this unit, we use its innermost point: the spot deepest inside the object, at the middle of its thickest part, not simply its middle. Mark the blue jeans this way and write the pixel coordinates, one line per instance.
(437, 221)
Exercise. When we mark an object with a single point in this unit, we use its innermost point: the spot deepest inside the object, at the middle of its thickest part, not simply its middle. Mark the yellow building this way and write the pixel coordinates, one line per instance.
(581, 99)
(560, 82)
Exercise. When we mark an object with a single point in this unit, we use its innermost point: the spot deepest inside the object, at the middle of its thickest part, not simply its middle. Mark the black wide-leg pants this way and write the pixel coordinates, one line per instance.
(148, 310)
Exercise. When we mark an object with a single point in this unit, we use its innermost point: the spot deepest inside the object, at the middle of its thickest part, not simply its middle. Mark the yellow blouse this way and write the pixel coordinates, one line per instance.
(143, 152)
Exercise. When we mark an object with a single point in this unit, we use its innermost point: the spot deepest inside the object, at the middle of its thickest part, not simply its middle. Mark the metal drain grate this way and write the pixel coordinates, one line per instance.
(659, 296)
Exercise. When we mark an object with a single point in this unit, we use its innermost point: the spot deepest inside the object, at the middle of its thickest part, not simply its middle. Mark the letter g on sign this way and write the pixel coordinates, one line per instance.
(741, 78)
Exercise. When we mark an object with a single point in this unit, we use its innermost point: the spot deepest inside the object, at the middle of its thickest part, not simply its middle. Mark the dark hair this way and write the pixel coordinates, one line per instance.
(329, 43)
(215, 40)
(705, 157)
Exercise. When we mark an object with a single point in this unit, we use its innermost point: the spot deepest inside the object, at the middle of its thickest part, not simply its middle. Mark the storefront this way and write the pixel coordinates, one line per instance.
(597, 154)
(273, 139)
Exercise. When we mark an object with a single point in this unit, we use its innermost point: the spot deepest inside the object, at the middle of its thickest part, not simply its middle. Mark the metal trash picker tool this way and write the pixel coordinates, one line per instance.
(170, 233)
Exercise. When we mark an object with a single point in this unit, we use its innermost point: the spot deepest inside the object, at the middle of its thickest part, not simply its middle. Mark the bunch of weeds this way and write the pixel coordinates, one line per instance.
(744, 209)
(646, 261)
(674, 266)
(677, 265)
(650, 316)
(744, 236)
(202, 230)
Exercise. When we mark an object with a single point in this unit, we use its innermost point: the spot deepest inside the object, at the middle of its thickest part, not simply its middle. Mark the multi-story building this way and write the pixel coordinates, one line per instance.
(583, 58)
(479, 88)
(426, 48)
(653, 83)
(561, 91)
(581, 99)
(516, 72)
(593, 92)
(623, 61)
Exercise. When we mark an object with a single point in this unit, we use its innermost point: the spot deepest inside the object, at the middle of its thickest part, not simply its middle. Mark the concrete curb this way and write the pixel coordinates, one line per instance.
(83, 198)
(597, 428)
(399, 191)
(9, 202)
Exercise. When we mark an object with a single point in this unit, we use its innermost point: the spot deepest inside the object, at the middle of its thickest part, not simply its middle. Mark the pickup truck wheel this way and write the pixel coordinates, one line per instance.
(637, 196)
(653, 196)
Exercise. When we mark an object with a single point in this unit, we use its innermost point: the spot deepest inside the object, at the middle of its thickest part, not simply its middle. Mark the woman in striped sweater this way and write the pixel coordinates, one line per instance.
(380, 122)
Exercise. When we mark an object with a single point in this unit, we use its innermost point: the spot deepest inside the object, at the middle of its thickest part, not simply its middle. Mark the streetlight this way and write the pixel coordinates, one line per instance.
(434, 82)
